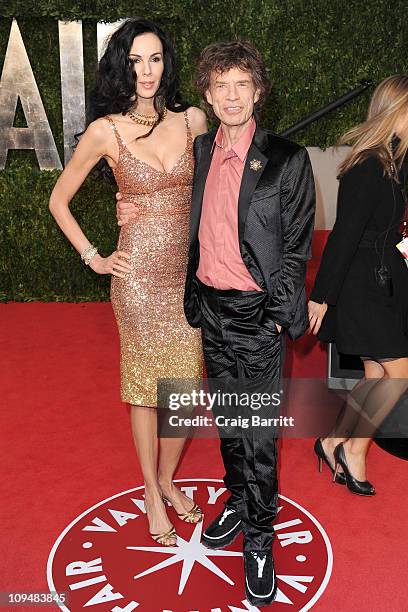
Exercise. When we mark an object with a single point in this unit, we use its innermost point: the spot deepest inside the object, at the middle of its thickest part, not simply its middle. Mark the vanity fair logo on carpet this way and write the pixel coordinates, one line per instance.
(105, 560)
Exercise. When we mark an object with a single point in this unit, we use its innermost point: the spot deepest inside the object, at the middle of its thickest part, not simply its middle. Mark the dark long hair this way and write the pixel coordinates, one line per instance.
(115, 87)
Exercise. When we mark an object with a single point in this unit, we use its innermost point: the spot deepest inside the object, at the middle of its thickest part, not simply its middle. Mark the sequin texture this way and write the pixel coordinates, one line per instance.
(155, 338)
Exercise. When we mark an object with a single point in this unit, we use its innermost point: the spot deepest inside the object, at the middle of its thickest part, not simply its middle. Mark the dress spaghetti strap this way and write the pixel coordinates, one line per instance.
(114, 128)
(189, 134)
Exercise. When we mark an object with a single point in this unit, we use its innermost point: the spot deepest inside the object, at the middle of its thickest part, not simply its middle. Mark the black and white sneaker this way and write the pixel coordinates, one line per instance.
(260, 579)
(223, 530)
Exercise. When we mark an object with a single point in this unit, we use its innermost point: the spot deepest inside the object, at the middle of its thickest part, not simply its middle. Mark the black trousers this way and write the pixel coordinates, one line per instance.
(245, 354)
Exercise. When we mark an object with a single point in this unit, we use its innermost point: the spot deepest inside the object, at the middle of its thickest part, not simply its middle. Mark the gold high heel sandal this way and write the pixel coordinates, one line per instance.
(193, 516)
(165, 539)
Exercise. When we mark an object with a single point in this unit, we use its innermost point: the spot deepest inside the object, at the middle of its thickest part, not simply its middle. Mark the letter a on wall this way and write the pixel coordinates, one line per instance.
(17, 81)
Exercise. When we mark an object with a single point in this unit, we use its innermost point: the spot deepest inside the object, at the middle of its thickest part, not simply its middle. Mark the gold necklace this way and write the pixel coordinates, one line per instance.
(149, 120)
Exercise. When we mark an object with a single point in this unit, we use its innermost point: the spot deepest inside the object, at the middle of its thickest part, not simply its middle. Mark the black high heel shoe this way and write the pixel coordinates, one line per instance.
(321, 455)
(360, 487)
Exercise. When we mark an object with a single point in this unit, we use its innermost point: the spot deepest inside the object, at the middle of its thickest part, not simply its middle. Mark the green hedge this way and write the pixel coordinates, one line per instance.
(315, 51)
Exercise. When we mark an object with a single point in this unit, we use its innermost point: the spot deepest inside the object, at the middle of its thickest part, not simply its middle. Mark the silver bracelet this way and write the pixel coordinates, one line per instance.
(88, 254)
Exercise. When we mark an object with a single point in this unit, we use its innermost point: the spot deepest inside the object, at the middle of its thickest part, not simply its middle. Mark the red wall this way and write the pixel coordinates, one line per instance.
(306, 357)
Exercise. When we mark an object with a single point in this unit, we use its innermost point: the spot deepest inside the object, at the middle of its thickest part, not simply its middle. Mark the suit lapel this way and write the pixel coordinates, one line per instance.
(254, 166)
(201, 172)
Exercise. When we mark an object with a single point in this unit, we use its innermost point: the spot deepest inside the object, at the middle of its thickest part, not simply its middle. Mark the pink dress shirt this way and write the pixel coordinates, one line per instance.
(221, 264)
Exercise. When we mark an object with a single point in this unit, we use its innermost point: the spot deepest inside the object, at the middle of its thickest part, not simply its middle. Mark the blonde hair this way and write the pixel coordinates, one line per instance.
(373, 137)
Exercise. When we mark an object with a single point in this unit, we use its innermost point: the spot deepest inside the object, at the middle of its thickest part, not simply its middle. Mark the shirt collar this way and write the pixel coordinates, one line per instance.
(242, 145)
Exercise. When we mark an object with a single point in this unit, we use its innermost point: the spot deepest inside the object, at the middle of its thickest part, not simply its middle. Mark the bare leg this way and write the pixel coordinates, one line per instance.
(377, 406)
(373, 371)
(170, 451)
(144, 429)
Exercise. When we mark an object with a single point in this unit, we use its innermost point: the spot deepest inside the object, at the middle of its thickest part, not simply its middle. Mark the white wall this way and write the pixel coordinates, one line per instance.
(325, 169)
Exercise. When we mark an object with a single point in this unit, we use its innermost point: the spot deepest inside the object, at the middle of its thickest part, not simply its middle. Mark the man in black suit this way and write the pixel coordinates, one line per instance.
(250, 235)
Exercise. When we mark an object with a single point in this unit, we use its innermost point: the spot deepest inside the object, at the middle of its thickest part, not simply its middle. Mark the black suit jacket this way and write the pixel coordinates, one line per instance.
(275, 223)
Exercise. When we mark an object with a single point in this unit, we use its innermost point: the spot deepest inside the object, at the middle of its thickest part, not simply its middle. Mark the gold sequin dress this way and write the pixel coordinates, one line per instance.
(155, 338)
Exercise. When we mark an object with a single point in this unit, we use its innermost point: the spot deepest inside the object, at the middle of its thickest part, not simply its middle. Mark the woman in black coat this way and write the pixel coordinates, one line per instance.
(360, 297)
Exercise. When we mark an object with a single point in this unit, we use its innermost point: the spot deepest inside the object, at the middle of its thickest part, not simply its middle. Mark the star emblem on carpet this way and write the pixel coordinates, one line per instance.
(188, 552)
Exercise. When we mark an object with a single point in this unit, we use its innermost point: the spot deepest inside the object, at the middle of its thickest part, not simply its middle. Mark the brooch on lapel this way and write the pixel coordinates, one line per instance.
(255, 164)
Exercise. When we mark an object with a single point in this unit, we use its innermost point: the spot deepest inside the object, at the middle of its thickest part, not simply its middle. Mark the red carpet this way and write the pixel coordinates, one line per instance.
(66, 446)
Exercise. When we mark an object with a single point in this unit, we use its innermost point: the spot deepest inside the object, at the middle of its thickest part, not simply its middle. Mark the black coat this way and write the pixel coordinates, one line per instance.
(275, 224)
(363, 318)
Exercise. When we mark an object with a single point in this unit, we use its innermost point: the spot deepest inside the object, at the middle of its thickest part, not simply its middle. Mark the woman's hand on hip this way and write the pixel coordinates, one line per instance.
(116, 264)
(316, 316)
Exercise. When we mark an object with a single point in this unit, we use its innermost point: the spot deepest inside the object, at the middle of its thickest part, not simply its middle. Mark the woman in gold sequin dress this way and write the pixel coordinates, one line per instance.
(145, 135)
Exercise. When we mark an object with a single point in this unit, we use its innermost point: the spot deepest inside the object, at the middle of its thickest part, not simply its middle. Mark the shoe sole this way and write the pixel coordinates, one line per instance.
(258, 601)
(220, 545)
(362, 494)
